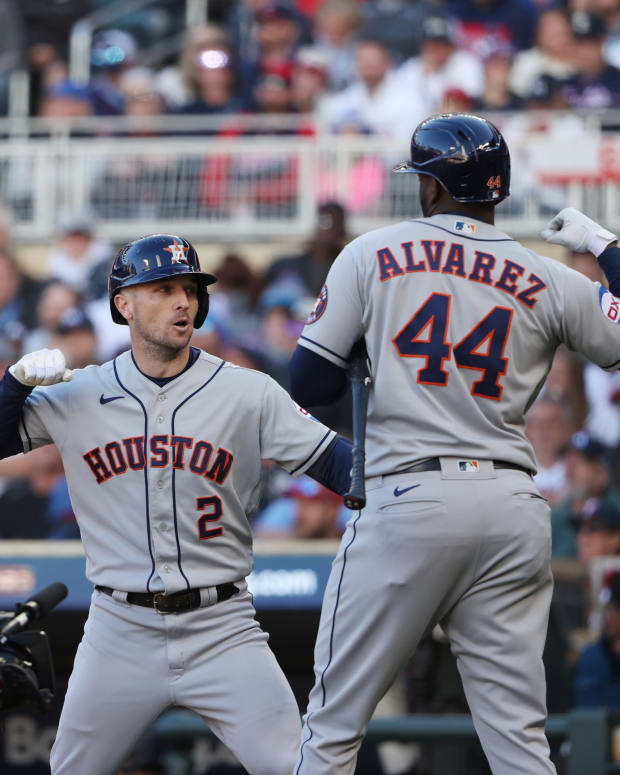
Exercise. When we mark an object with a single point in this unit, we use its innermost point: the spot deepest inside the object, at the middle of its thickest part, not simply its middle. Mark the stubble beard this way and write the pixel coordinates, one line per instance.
(158, 347)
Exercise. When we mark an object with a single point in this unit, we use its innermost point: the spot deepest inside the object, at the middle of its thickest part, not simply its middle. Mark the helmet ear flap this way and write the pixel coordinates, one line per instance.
(203, 308)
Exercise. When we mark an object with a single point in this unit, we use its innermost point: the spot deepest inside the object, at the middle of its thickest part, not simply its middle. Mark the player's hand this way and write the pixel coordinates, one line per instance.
(42, 367)
(577, 232)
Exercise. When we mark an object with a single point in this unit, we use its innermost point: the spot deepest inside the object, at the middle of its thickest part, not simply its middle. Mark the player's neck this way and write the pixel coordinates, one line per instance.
(479, 213)
(154, 363)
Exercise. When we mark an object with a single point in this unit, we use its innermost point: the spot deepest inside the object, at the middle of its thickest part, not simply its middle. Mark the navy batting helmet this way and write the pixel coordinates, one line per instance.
(158, 257)
(466, 154)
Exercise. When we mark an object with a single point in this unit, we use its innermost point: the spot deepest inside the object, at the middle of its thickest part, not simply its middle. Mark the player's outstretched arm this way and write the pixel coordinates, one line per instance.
(42, 367)
(577, 232)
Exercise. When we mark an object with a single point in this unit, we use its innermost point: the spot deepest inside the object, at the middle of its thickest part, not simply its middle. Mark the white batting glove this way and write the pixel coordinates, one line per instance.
(42, 367)
(577, 232)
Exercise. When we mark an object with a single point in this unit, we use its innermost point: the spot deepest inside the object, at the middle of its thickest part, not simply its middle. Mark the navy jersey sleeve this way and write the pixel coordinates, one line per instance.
(315, 381)
(609, 261)
(12, 397)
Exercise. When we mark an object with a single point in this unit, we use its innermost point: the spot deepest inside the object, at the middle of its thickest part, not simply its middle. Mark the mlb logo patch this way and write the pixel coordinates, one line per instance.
(465, 227)
(469, 466)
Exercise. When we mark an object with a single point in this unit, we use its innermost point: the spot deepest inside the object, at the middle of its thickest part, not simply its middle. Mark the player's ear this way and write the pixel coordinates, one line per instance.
(122, 302)
(435, 190)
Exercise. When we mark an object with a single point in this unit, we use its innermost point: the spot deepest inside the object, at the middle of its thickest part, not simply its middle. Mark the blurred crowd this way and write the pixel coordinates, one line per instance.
(357, 66)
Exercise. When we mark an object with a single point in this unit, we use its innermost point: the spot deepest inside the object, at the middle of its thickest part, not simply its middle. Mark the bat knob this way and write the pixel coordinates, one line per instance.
(354, 502)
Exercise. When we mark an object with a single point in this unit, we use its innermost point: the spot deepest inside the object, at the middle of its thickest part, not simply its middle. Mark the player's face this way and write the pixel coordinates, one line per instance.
(162, 313)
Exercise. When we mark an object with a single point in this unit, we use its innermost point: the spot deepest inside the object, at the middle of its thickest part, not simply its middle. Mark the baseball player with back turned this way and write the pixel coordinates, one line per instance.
(162, 450)
(461, 323)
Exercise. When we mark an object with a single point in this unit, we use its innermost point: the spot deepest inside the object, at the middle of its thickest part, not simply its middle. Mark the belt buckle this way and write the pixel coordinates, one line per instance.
(156, 599)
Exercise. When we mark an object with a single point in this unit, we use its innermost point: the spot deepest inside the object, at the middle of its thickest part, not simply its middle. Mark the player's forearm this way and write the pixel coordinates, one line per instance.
(12, 397)
(609, 261)
(333, 468)
(315, 381)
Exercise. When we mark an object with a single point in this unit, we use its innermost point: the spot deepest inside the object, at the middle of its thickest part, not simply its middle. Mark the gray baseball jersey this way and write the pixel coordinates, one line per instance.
(461, 323)
(162, 478)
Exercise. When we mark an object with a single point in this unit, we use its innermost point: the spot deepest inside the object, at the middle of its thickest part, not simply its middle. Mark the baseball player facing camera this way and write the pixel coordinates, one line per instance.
(461, 323)
(162, 451)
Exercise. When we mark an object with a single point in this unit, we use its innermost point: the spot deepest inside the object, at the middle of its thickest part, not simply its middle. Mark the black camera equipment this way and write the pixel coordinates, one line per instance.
(26, 670)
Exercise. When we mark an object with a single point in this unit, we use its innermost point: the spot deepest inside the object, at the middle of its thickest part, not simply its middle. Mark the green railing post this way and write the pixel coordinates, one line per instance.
(589, 747)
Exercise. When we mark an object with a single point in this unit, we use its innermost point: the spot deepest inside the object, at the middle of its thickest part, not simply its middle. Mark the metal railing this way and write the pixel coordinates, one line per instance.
(236, 181)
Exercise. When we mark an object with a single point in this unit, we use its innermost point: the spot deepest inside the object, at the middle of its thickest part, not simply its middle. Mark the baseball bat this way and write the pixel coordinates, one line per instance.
(355, 499)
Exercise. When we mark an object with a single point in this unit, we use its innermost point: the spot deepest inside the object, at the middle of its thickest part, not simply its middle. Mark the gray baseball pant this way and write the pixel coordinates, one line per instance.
(133, 663)
(469, 550)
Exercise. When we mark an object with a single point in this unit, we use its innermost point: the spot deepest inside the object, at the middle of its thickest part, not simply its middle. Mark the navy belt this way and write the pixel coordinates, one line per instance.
(434, 464)
(175, 603)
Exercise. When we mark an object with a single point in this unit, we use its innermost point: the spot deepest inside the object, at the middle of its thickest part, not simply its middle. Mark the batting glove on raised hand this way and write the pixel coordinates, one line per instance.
(577, 232)
(42, 367)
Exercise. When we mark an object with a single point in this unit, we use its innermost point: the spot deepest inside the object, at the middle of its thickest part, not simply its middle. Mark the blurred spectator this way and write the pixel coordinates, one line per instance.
(66, 100)
(565, 384)
(497, 93)
(309, 79)
(397, 23)
(111, 339)
(281, 327)
(9, 354)
(233, 301)
(177, 83)
(56, 297)
(38, 506)
(311, 266)
(549, 427)
(589, 486)
(212, 81)
(598, 530)
(456, 101)
(251, 44)
(79, 253)
(552, 56)
(512, 20)
(610, 11)
(11, 47)
(335, 27)
(597, 677)
(376, 98)
(278, 32)
(142, 98)
(305, 510)
(596, 84)
(440, 66)
(75, 337)
(19, 295)
(272, 91)
(112, 53)
(46, 28)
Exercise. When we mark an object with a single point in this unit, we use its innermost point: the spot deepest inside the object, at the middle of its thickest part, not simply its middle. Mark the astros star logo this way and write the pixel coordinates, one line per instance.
(178, 253)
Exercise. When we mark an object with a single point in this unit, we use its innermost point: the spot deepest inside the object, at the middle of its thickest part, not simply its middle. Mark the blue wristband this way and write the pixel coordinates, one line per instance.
(609, 261)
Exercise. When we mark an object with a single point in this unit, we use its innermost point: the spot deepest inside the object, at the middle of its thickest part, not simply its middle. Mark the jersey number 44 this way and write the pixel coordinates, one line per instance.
(425, 336)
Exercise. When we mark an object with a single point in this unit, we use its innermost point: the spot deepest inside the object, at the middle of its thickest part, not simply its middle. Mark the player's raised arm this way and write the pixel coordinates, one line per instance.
(575, 231)
(591, 313)
(42, 367)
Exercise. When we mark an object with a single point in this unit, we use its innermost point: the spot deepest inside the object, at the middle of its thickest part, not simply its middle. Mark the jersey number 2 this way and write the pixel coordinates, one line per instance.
(482, 349)
(214, 504)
